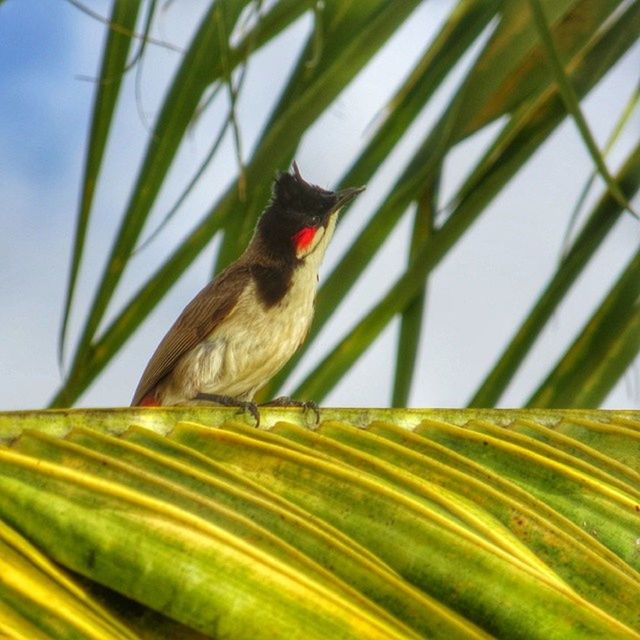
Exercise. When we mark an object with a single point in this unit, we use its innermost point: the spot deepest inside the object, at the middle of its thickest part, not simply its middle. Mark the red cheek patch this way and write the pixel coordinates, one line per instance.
(304, 237)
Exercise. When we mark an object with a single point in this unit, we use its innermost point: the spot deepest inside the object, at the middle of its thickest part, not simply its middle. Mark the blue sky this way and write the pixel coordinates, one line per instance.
(34, 66)
(476, 296)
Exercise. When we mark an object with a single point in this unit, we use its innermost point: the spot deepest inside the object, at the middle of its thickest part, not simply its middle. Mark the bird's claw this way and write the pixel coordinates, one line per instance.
(229, 401)
(252, 408)
(286, 401)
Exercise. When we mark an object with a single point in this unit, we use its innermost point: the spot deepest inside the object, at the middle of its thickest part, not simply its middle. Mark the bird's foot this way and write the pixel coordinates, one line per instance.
(286, 401)
(230, 401)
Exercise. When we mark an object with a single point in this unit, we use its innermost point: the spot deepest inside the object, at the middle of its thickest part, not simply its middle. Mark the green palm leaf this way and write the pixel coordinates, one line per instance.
(114, 62)
(416, 524)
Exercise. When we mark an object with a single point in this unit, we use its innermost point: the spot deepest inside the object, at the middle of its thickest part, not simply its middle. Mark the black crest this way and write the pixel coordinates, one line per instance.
(292, 191)
(295, 204)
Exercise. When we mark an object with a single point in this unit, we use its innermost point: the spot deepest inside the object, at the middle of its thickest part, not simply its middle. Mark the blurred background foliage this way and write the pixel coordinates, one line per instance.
(527, 66)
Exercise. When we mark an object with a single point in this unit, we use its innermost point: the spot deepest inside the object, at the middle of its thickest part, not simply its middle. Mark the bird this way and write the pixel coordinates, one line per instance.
(245, 324)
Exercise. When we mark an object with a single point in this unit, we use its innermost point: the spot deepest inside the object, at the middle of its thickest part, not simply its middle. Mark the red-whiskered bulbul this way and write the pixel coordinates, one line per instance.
(242, 328)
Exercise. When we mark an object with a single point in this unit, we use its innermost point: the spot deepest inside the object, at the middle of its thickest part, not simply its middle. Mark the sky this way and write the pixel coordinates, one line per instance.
(477, 296)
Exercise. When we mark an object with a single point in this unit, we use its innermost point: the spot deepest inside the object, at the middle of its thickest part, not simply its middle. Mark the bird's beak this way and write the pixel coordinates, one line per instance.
(346, 195)
(343, 197)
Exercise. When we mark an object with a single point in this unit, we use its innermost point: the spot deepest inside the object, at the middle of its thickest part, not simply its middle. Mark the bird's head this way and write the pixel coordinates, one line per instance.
(301, 216)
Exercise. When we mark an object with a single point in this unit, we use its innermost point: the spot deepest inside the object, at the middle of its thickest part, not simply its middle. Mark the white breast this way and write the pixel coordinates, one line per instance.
(259, 341)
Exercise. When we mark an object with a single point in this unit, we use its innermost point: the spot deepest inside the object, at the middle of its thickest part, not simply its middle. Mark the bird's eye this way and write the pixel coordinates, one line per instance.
(315, 221)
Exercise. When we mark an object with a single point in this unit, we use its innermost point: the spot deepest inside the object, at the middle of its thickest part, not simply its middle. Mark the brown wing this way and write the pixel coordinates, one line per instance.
(199, 318)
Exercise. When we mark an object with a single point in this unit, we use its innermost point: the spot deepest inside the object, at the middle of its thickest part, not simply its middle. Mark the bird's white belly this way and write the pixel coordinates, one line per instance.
(249, 347)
